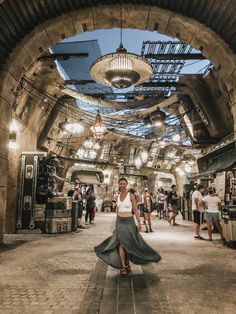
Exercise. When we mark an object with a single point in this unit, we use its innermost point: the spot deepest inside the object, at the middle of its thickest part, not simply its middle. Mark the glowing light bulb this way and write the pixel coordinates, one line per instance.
(176, 137)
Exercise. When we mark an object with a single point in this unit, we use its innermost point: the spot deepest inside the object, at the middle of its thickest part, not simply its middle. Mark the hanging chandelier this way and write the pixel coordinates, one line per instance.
(71, 127)
(138, 162)
(144, 155)
(120, 69)
(158, 117)
(98, 128)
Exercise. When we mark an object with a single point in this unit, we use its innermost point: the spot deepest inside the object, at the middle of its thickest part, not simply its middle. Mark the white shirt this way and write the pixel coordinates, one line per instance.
(125, 205)
(161, 198)
(198, 195)
(211, 203)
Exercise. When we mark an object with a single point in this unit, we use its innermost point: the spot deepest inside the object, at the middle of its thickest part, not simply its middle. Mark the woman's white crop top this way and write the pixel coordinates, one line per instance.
(125, 205)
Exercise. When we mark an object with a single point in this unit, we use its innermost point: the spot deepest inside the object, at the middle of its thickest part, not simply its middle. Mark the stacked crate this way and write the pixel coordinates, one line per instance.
(58, 215)
(39, 216)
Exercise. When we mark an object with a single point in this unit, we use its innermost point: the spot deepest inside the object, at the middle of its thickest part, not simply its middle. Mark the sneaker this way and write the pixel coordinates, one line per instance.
(150, 230)
(199, 237)
(86, 223)
(146, 231)
(175, 224)
(81, 227)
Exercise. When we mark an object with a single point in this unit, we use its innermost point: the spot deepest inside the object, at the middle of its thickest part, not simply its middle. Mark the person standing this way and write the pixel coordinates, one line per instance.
(161, 202)
(77, 196)
(198, 211)
(173, 203)
(126, 243)
(212, 204)
(90, 204)
(147, 202)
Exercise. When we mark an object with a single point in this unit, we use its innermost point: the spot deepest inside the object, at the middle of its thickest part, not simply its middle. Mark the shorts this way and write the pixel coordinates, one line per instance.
(212, 217)
(80, 211)
(146, 210)
(175, 209)
(198, 217)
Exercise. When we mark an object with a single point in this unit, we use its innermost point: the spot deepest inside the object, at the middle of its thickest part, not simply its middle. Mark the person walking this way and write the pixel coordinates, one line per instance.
(147, 202)
(126, 243)
(172, 202)
(212, 204)
(198, 211)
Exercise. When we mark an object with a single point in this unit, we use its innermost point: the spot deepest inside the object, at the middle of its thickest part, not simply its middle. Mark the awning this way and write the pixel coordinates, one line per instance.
(221, 160)
(224, 162)
(88, 177)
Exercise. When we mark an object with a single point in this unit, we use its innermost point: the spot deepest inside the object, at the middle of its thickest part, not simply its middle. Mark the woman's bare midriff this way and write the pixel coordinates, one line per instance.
(125, 214)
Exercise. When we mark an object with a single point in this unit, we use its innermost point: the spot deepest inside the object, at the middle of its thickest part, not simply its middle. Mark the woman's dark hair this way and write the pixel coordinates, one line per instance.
(123, 179)
(200, 186)
(211, 190)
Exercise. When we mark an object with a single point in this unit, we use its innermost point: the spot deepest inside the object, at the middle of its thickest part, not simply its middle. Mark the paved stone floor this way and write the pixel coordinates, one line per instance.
(42, 273)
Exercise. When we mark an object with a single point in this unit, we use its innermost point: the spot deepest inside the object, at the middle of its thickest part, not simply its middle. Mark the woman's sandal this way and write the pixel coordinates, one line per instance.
(124, 271)
(128, 268)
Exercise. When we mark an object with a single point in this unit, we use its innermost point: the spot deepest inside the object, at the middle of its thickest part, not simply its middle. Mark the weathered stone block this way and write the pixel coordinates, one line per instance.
(134, 16)
(5, 116)
(83, 20)
(4, 140)
(181, 27)
(59, 28)
(7, 86)
(230, 81)
(11, 211)
(205, 39)
(3, 194)
(159, 17)
(19, 61)
(37, 43)
(224, 60)
(106, 17)
(3, 171)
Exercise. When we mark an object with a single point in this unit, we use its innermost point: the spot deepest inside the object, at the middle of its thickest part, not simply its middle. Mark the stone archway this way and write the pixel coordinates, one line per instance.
(24, 57)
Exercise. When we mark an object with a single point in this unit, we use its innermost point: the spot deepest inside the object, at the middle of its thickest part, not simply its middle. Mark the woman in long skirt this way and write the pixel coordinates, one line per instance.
(126, 244)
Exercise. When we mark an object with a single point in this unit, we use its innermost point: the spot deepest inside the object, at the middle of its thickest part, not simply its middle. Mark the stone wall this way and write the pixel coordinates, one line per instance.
(4, 139)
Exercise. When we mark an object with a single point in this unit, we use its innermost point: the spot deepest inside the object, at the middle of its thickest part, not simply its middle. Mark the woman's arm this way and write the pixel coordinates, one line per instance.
(135, 210)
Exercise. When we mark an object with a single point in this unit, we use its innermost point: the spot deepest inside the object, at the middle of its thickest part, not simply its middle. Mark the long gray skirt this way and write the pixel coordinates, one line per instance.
(127, 235)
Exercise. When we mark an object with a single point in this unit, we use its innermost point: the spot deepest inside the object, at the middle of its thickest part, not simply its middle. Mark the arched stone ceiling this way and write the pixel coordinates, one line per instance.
(19, 18)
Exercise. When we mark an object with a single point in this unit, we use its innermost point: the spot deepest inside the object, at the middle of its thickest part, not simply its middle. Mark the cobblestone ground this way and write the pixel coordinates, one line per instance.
(42, 273)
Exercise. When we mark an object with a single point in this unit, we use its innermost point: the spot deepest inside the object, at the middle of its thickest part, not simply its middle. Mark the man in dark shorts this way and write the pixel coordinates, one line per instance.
(198, 210)
(173, 202)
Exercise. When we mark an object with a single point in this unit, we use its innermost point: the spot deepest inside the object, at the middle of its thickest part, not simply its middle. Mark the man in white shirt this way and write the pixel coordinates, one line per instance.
(197, 209)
